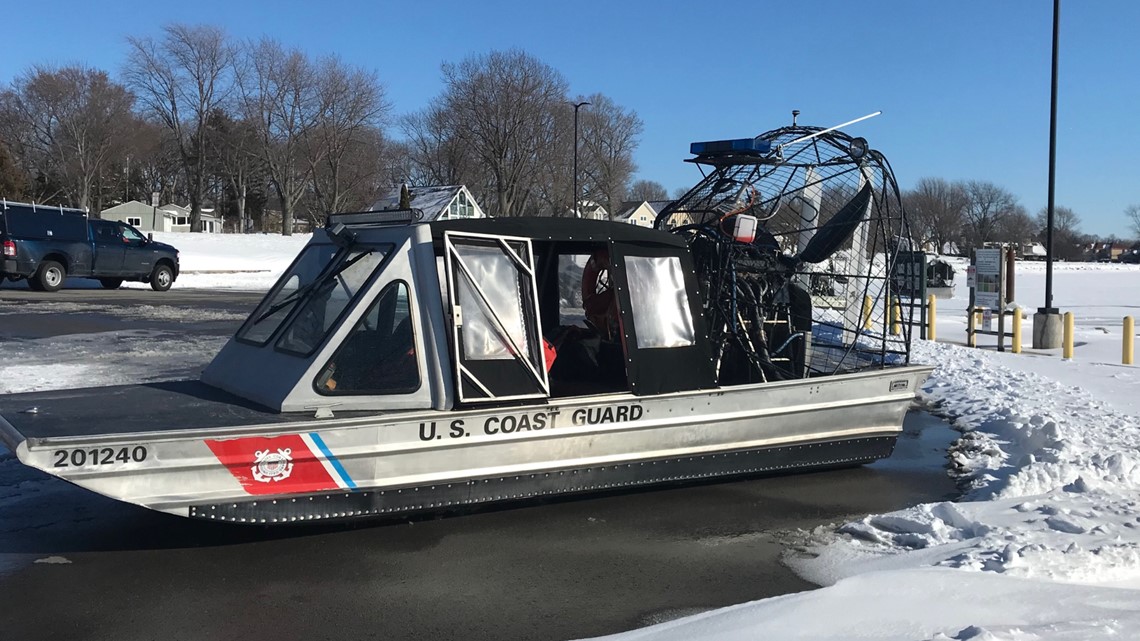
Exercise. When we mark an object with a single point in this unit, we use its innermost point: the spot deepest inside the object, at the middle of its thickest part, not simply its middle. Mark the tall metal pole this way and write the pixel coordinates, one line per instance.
(576, 108)
(1047, 323)
(1052, 165)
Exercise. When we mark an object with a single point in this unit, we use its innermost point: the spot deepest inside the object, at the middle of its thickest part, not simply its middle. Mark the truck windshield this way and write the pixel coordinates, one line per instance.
(322, 282)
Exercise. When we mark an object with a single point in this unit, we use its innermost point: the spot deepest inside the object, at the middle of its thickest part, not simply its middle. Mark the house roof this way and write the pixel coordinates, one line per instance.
(630, 207)
(170, 210)
(432, 201)
(131, 207)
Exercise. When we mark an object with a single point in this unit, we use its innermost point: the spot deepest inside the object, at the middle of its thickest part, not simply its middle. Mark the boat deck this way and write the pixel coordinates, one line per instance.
(135, 409)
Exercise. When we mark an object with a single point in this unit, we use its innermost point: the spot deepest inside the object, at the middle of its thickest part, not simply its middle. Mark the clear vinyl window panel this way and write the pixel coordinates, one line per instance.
(661, 313)
(500, 280)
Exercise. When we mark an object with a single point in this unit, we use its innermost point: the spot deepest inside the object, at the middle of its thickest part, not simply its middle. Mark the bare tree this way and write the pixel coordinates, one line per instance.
(13, 179)
(609, 138)
(236, 161)
(1065, 220)
(1068, 241)
(346, 139)
(279, 94)
(436, 153)
(647, 190)
(1132, 212)
(156, 165)
(554, 184)
(936, 211)
(182, 79)
(1017, 227)
(501, 105)
(986, 206)
(69, 122)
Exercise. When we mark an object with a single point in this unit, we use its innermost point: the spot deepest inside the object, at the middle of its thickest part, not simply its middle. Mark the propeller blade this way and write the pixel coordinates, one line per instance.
(834, 232)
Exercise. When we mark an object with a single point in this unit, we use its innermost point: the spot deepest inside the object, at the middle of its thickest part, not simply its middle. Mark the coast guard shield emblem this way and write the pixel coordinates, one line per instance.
(272, 466)
(285, 464)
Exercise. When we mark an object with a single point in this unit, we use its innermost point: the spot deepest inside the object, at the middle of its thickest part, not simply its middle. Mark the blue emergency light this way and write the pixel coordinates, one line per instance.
(742, 146)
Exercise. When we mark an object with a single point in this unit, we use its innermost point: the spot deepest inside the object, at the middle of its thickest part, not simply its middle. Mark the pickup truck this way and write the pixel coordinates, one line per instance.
(45, 245)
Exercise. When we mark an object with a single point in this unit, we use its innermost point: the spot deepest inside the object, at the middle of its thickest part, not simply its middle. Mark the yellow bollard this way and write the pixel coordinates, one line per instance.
(1067, 349)
(930, 315)
(1129, 336)
(1016, 330)
(971, 337)
(867, 312)
(896, 316)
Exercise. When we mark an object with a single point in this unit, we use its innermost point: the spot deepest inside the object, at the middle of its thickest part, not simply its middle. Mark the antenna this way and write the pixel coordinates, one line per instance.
(820, 133)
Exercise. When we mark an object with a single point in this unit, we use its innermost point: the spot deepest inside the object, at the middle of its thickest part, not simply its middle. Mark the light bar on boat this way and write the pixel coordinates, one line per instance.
(377, 217)
(746, 146)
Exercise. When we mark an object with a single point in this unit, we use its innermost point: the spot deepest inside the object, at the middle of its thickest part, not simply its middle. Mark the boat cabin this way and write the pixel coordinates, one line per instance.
(380, 313)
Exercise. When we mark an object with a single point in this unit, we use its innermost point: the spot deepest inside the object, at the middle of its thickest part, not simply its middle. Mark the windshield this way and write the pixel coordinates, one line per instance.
(326, 272)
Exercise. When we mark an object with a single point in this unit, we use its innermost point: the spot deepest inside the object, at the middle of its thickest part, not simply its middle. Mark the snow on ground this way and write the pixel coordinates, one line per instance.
(1044, 543)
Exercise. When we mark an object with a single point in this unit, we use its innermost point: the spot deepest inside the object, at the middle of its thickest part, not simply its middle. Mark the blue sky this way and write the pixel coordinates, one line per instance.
(963, 84)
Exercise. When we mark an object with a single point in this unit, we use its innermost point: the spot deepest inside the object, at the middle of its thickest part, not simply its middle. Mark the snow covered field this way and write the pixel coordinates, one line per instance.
(1044, 544)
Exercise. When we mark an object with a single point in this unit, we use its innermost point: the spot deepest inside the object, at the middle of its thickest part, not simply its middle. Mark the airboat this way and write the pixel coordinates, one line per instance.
(401, 366)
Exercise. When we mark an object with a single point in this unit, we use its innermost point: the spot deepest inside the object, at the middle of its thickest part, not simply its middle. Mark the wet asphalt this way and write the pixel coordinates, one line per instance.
(74, 565)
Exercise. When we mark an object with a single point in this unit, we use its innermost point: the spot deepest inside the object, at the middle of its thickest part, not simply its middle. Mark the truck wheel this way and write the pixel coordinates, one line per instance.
(110, 283)
(50, 276)
(162, 278)
(34, 284)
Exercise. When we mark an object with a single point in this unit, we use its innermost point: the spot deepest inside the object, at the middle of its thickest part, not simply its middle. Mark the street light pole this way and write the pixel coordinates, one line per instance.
(1047, 320)
(576, 108)
(1052, 163)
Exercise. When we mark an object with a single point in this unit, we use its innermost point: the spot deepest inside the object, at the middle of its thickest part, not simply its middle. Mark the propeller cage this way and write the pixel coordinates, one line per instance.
(811, 294)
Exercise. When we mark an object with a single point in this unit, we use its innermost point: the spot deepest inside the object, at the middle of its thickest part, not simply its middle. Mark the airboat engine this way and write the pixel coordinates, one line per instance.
(789, 233)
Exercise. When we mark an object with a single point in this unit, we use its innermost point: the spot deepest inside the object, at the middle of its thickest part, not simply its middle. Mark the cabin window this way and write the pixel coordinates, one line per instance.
(379, 355)
(319, 272)
(181, 220)
(661, 312)
(134, 222)
(570, 272)
(321, 309)
(498, 278)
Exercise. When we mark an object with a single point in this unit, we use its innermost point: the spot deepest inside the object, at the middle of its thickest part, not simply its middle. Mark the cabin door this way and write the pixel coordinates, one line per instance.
(493, 299)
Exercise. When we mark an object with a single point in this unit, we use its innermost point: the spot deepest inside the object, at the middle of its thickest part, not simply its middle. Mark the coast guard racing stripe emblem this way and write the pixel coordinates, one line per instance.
(289, 464)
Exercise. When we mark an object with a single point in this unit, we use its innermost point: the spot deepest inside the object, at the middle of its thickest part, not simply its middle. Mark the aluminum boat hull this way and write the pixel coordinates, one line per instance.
(220, 460)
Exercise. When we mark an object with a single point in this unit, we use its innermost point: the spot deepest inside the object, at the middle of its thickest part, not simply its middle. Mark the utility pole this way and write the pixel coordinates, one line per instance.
(576, 108)
(1047, 328)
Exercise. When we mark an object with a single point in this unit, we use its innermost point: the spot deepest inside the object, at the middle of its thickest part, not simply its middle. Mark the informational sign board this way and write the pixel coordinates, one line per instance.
(987, 279)
(910, 274)
(909, 281)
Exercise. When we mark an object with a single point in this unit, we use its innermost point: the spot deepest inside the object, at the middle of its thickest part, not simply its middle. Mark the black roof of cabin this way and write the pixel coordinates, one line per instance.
(559, 229)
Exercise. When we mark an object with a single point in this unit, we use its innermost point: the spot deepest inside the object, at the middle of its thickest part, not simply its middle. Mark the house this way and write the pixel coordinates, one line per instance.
(636, 213)
(443, 202)
(166, 218)
(643, 213)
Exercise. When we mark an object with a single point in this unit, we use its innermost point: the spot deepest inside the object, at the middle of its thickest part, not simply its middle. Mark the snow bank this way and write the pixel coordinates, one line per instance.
(1044, 543)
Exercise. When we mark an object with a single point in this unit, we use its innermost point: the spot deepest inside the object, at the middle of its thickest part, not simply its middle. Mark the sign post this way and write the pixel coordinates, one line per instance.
(986, 279)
